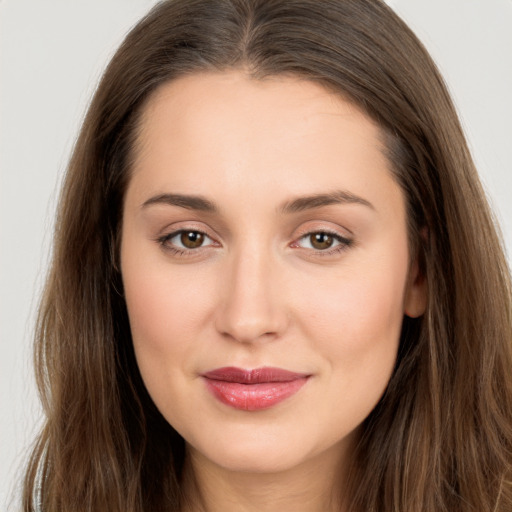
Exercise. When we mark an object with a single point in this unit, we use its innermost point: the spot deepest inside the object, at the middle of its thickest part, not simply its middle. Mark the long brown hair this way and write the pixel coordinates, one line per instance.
(441, 437)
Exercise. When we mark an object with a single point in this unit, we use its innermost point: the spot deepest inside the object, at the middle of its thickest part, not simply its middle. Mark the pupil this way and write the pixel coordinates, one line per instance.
(192, 239)
(321, 240)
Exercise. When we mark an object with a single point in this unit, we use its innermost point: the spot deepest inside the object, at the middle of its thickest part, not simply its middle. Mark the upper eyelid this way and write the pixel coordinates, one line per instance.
(326, 232)
(177, 232)
(302, 234)
(342, 241)
(166, 232)
(329, 231)
(171, 230)
(338, 230)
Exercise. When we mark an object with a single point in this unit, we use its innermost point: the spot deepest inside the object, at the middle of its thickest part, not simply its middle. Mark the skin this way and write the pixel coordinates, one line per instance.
(256, 292)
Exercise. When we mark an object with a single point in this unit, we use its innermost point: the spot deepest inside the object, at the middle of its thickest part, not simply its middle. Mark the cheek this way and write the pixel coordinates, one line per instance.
(166, 311)
(368, 311)
(354, 319)
(160, 304)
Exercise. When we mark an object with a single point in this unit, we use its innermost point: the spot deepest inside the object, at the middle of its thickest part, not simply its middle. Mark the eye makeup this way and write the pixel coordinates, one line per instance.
(188, 242)
(323, 242)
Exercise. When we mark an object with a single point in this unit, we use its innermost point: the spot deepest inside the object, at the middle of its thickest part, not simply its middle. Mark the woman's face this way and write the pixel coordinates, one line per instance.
(263, 230)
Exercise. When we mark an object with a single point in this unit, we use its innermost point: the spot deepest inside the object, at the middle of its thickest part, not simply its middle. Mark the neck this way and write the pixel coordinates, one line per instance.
(315, 485)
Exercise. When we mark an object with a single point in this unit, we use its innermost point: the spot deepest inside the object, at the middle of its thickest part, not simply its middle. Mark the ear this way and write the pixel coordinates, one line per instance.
(415, 300)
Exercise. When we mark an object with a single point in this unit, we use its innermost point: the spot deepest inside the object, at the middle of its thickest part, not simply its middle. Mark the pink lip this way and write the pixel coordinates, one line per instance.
(253, 390)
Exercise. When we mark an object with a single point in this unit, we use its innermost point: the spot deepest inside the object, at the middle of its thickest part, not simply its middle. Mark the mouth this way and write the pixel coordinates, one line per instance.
(253, 390)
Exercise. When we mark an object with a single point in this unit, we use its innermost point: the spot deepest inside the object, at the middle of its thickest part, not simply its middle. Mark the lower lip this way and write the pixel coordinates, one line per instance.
(253, 397)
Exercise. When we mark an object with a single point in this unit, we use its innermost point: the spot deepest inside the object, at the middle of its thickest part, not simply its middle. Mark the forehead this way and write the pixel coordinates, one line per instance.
(227, 134)
(198, 101)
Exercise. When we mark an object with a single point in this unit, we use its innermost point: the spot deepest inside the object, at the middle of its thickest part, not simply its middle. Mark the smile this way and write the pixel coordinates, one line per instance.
(253, 390)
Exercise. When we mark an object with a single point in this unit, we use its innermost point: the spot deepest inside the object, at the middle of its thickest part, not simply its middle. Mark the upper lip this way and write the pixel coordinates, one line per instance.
(254, 376)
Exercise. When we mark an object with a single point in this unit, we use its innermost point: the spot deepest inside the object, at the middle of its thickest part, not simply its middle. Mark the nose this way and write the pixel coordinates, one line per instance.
(251, 305)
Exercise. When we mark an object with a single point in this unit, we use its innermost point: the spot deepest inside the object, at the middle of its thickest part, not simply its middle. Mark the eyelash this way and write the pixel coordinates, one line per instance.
(163, 241)
(343, 242)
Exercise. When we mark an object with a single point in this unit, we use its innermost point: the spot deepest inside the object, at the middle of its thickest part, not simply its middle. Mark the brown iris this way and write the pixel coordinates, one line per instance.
(321, 241)
(192, 239)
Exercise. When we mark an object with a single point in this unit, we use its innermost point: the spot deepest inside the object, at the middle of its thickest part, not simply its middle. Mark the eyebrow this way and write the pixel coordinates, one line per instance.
(200, 203)
(318, 200)
(190, 202)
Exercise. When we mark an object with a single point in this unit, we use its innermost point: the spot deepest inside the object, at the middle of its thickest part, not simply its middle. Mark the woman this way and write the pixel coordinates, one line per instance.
(276, 281)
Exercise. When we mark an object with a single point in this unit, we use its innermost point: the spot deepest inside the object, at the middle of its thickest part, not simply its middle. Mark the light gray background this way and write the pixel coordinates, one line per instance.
(52, 54)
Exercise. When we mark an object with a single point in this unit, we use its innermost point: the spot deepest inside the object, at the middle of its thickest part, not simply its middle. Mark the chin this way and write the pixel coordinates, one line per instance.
(266, 450)
(250, 450)
(256, 459)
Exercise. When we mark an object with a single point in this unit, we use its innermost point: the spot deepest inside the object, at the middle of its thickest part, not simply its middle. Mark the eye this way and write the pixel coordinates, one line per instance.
(323, 241)
(185, 239)
(191, 239)
(320, 241)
